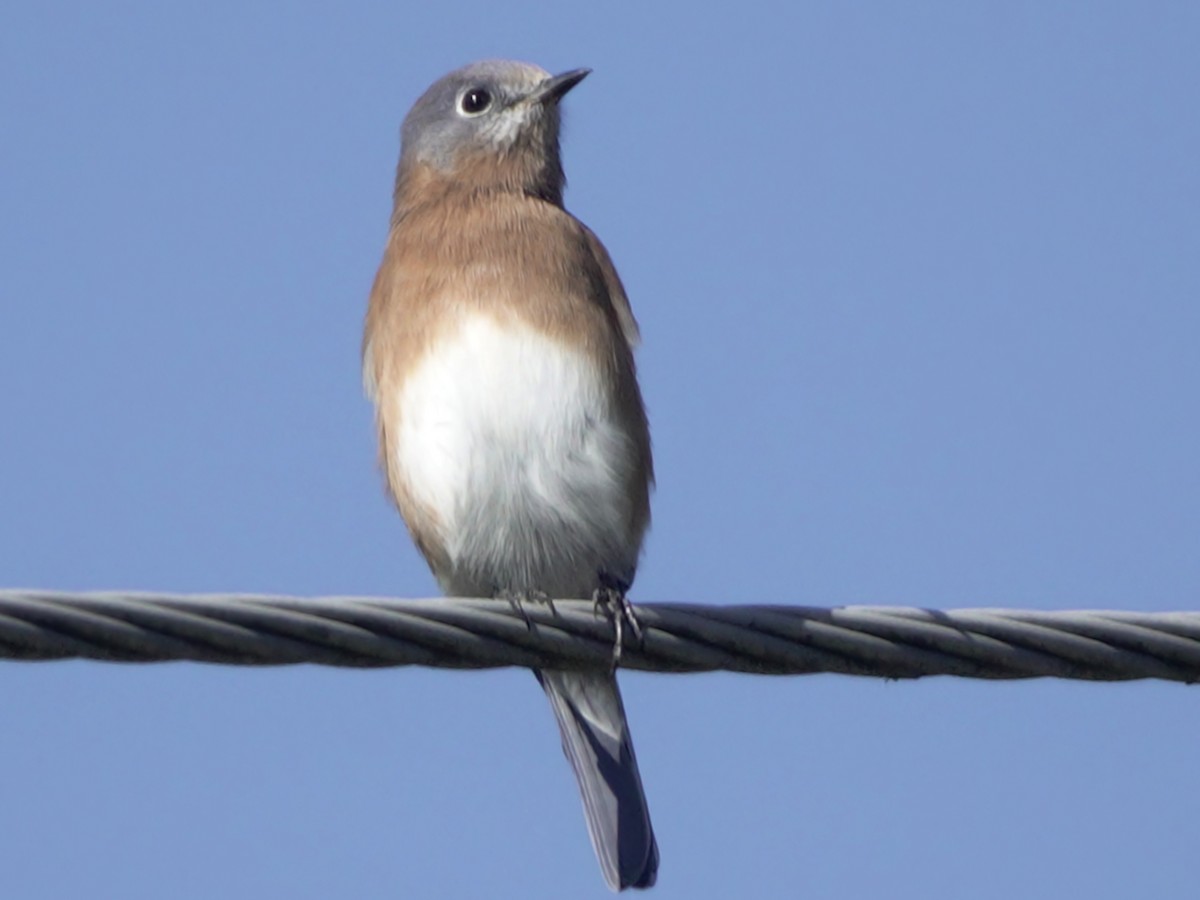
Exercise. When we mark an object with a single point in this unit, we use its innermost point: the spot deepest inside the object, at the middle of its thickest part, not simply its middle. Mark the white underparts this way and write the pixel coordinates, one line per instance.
(511, 439)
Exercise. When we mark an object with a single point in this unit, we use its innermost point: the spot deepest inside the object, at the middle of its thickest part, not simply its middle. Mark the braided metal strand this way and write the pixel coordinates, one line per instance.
(888, 642)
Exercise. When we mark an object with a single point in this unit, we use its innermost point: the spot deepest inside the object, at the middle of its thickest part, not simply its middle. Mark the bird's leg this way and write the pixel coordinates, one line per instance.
(611, 599)
(518, 599)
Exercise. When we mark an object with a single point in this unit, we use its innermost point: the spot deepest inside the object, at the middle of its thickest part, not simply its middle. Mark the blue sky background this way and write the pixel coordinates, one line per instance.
(920, 292)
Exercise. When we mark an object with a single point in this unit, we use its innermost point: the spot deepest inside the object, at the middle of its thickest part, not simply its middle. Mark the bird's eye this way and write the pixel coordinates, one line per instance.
(475, 101)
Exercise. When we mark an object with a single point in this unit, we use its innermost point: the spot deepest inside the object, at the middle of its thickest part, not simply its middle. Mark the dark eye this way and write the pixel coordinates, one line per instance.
(475, 101)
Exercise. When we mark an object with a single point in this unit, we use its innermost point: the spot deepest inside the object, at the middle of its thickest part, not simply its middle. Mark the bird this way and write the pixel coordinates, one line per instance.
(498, 351)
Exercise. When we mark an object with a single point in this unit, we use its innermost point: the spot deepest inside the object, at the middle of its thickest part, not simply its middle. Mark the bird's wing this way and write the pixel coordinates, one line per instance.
(616, 290)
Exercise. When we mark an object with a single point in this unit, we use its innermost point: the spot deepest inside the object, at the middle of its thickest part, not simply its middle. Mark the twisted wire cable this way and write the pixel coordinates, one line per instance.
(465, 633)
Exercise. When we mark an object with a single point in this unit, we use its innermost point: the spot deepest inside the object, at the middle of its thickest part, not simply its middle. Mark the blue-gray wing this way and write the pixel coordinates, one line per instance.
(616, 290)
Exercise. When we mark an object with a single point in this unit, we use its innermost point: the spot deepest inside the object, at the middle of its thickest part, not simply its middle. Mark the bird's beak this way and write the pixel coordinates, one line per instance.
(552, 89)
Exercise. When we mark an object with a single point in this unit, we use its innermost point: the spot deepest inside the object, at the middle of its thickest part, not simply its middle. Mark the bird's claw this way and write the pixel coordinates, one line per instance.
(518, 599)
(617, 607)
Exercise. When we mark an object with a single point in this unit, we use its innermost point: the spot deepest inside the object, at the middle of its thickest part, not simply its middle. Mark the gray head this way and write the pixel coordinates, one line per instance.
(494, 120)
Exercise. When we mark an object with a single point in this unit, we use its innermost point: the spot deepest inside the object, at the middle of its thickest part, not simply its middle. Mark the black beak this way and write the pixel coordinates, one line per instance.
(552, 89)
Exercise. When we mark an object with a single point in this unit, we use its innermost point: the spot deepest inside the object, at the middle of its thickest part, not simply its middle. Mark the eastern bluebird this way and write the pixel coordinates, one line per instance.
(499, 355)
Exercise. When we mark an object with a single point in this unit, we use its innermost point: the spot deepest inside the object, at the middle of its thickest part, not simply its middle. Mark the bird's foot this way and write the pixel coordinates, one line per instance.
(518, 599)
(617, 607)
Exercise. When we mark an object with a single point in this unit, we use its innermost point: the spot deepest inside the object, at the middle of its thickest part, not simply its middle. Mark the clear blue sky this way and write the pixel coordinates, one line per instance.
(920, 292)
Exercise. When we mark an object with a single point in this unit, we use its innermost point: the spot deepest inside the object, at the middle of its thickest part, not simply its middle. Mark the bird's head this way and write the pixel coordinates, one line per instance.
(491, 124)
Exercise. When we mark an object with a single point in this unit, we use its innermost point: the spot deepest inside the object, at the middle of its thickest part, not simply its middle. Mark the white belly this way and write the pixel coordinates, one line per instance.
(511, 439)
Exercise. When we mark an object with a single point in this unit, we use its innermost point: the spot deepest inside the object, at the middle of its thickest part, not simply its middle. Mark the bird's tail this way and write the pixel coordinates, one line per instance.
(596, 740)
